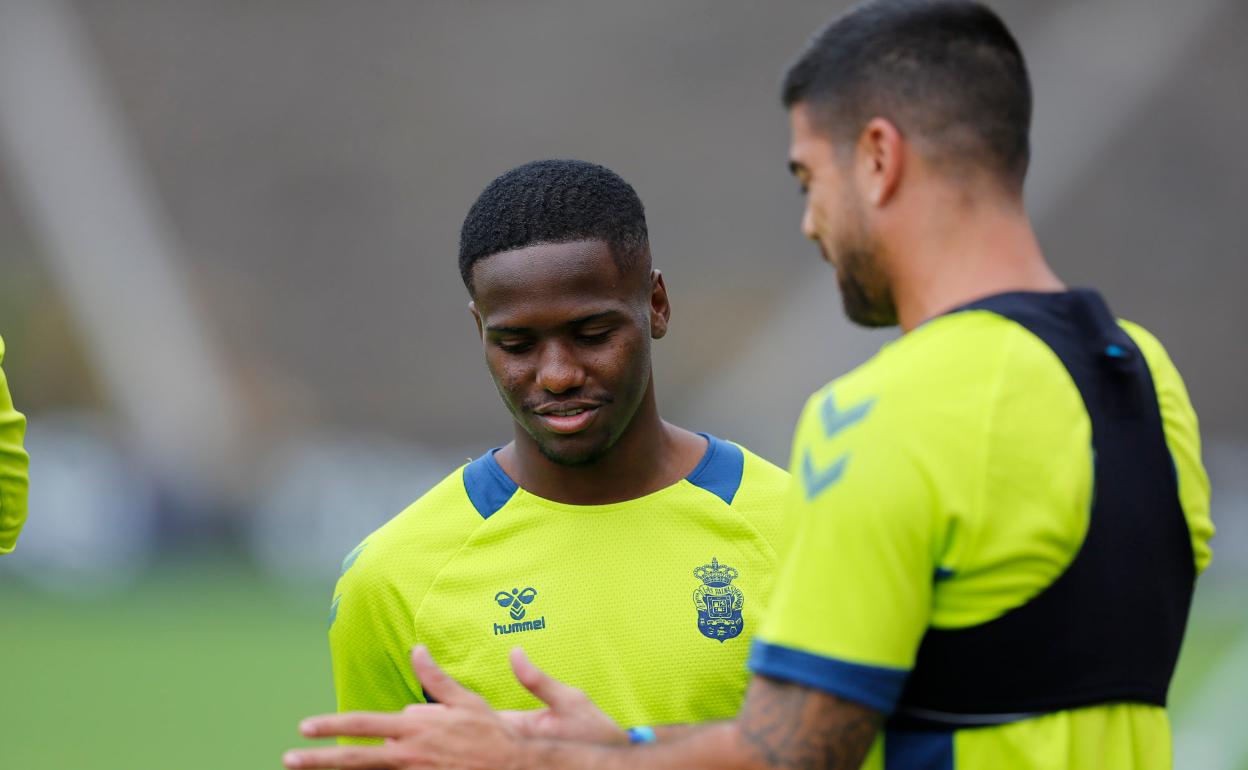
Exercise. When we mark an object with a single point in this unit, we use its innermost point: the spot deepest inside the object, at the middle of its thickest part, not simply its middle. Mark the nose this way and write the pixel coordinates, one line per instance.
(559, 371)
(808, 223)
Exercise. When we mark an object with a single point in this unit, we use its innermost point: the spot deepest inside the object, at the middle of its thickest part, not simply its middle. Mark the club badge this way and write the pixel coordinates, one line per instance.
(719, 602)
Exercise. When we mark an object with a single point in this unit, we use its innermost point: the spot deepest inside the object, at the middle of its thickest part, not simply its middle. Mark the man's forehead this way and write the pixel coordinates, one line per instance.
(561, 282)
(806, 142)
(543, 263)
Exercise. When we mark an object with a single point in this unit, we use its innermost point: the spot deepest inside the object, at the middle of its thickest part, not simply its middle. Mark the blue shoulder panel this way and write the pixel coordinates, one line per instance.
(488, 487)
(875, 687)
(720, 470)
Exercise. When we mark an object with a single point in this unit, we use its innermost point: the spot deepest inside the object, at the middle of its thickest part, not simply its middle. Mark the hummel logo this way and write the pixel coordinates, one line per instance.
(515, 602)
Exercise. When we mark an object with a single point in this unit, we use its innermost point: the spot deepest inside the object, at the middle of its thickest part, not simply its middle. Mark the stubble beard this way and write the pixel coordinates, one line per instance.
(865, 291)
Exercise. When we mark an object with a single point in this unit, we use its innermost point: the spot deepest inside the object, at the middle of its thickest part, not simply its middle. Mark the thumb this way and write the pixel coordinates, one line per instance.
(552, 692)
(440, 685)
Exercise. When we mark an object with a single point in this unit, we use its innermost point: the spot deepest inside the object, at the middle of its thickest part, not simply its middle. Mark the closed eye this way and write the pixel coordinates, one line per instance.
(514, 347)
(596, 338)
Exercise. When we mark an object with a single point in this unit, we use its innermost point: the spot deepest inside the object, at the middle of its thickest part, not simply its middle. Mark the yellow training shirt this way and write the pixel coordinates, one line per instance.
(944, 482)
(647, 605)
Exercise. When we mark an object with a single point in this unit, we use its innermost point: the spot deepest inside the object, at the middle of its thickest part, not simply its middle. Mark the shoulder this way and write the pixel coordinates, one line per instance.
(1172, 395)
(1165, 375)
(931, 380)
(760, 476)
(920, 424)
(734, 474)
(1182, 432)
(428, 531)
(761, 497)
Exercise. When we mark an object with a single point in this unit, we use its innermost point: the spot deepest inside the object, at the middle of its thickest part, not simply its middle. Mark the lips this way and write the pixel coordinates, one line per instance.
(567, 418)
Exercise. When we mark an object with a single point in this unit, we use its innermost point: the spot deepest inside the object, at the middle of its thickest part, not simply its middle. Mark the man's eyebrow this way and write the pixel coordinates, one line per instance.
(574, 322)
(593, 317)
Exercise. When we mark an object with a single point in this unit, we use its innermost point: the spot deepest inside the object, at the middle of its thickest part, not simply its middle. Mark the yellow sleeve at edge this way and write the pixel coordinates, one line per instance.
(1183, 438)
(14, 465)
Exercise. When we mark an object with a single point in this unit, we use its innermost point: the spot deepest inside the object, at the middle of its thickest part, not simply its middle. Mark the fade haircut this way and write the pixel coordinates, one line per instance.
(555, 201)
(947, 73)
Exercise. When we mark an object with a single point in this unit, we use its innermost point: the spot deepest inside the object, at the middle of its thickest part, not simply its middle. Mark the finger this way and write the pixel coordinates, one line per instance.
(548, 690)
(359, 724)
(520, 718)
(340, 758)
(441, 686)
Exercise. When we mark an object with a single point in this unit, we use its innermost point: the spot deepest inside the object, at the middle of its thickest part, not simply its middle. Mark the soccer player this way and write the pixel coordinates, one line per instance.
(997, 522)
(13, 467)
(627, 554)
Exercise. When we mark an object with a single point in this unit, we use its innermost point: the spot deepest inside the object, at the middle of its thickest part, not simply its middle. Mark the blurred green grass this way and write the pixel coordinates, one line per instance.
(212, 665)
(206, 667)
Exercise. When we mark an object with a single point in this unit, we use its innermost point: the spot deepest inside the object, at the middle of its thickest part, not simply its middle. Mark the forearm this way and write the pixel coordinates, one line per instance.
(783, 726)
(714, 746)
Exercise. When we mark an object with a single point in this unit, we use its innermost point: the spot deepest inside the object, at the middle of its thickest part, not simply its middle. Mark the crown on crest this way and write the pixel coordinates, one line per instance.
(715, 573)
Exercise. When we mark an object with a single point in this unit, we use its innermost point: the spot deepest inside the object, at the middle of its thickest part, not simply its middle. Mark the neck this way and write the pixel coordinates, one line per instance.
(651, 454)
(964, 250)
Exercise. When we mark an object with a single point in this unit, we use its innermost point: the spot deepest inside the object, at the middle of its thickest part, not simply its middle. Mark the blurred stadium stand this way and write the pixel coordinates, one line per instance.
(257, 341)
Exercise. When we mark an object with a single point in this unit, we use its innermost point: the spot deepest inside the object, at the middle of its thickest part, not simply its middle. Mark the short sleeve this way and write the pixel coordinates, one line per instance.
(1183, 440)
(370, 638)
(853, 598)
(14, 464)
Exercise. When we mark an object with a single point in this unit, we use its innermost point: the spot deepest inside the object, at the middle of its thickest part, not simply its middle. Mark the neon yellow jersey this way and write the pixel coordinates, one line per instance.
(944, 482)
(13, 467)
(646, 605)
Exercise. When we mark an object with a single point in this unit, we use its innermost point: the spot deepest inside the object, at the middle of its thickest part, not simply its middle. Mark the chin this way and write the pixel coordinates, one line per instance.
(570, 459)
(871, 319)
(863, 309)
(573, 452)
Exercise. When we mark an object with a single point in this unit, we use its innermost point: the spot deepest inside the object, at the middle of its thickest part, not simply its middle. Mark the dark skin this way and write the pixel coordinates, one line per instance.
(782, 726)
(566, 330)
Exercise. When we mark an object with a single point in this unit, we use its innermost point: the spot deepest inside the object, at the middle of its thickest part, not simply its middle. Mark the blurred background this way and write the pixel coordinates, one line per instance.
(228, 290)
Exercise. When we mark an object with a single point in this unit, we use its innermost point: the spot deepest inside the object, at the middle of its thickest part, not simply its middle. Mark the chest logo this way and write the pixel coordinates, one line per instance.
(516, 602)
(718, 601)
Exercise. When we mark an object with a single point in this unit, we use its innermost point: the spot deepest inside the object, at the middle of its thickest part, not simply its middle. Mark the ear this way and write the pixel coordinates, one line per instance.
(476, 316)
(660, 307)
(879, 160)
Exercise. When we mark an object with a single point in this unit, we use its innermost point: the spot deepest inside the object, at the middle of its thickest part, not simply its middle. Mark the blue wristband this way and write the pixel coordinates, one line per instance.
(641, 735)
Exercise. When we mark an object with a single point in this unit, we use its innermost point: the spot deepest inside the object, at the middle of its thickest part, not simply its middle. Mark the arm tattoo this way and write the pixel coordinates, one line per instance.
(791, 727)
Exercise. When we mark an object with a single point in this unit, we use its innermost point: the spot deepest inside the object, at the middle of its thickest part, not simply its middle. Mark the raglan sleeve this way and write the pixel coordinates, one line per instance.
(853, 596)
(370, 637)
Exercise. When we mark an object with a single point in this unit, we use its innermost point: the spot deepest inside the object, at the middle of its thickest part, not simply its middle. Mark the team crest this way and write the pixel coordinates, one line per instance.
(719, 602)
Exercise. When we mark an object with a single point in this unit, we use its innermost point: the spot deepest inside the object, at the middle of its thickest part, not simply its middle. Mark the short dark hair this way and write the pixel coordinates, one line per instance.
(945, 71)
(555, 201)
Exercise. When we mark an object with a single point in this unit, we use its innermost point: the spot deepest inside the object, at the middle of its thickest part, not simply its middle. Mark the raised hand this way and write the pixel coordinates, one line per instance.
(569, 714)
(460, 732)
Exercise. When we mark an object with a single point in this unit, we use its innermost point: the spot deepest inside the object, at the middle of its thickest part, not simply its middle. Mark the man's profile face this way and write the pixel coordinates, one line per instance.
(834, 218)
(567, 341)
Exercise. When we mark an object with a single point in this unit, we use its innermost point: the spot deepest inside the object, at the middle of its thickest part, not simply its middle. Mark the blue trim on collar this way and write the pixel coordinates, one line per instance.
(488, 487)
(720, 470)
